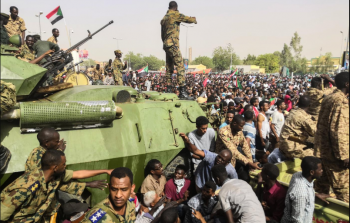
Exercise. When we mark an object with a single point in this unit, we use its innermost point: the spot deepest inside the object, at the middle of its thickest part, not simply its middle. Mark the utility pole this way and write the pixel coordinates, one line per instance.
(190, 26)
(341, 46)
(40, 13)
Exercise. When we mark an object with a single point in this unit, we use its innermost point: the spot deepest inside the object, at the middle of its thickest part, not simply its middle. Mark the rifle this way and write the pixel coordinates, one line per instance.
(56, 62)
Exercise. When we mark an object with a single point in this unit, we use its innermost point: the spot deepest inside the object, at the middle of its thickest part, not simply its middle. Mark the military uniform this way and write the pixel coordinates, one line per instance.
(317, 97)
(298, 124)
(8, 97)
(107, 67)
(226, 140)
(26, 54)
(118, 67)
(97, 74)
(52, 39)
(15, 27)
(34, 162)
(31, 199)
(104, 213)
(332, 142)
(170, 36)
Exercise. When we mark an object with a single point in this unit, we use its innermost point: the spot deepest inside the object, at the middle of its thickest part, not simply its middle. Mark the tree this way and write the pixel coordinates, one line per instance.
(206, 61)
(88, 63)
(268, 61)
(296, 46)
(250, 60)
(153, 62)
(286, 57)
(136, 60)
(222, 58)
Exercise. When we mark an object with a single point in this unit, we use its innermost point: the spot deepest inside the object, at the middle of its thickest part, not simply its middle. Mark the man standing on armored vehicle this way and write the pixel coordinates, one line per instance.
(170, 36)
(16, 25)
(118, 67)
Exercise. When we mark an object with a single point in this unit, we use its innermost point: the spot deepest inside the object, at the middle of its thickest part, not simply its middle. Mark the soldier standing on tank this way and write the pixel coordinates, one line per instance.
(170, 37)
(16, 25)
(118, 67)
(55, 34)
(332, 137)
(3, 22)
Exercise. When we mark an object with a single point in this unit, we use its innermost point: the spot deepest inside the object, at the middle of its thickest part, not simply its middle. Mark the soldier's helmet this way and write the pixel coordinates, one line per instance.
(5, 15)
(118, 51)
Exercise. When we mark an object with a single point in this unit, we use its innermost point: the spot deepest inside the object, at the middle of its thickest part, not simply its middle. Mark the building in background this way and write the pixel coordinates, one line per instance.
(250, 69)
(194, 68)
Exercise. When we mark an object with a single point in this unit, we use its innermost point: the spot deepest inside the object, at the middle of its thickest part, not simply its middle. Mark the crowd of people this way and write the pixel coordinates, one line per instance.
(256, 127)
(257, 122)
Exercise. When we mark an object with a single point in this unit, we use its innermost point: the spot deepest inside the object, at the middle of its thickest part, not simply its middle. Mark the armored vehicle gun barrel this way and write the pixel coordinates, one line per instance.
(56, 62)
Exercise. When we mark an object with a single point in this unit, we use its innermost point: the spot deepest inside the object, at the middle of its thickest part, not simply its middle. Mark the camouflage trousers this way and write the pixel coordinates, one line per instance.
(339, 181)
(118, 78)
(174, 58)
(292, 149)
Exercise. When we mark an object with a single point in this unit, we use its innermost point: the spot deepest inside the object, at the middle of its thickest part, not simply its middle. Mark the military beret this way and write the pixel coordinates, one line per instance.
(5, 15)
(118, 51)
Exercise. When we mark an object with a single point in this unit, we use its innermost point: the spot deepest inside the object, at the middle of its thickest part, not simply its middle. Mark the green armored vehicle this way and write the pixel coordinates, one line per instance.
(105, 127)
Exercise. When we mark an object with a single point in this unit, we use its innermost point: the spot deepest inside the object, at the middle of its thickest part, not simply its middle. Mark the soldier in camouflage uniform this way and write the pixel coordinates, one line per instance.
(107, 67)
(3, 31)
(97, 73)
(16, 25)
(32, 197)
(170, 37)
(231, 137)
(116, 208)
(118, 67)
(332, 137)
(317, 94)
(301, 125)
(27, 53)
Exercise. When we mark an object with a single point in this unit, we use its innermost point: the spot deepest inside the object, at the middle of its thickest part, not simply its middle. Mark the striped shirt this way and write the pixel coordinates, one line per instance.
(300, 201)
(249, 131)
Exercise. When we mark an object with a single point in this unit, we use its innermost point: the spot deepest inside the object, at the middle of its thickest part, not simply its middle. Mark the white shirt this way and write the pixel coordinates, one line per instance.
(278, 121)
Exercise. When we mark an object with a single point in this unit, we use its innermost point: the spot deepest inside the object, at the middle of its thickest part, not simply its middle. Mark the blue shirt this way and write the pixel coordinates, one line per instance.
(249, 131)
(203, 173)
(276, 157)
(223, 125)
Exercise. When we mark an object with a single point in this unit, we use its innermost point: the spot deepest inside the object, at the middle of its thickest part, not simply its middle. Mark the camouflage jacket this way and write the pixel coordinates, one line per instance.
(4, 36)
(15, 27)
(332, 136)
(298, 123)
(118, 66)
(316, 97)
(26, 54)
(8, 97)
(34, 162)
(52, 39)
(226, 140)
(100, 214)
(171, 27)
(30, 198)
(97, 74)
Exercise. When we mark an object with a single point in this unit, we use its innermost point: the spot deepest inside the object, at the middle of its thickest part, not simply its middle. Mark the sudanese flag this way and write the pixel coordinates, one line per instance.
(55, 16)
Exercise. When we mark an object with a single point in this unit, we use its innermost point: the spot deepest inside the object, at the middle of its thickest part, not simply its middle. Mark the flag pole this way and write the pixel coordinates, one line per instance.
(70, 44)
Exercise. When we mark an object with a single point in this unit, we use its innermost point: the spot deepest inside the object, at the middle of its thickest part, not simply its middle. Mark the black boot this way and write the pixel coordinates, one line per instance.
(183, 94)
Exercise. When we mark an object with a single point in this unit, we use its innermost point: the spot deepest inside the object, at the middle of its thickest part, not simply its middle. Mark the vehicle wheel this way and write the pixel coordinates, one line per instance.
(182, 159)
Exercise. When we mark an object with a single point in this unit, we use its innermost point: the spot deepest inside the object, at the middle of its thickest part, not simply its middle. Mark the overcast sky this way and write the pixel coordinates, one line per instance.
(251, 26)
